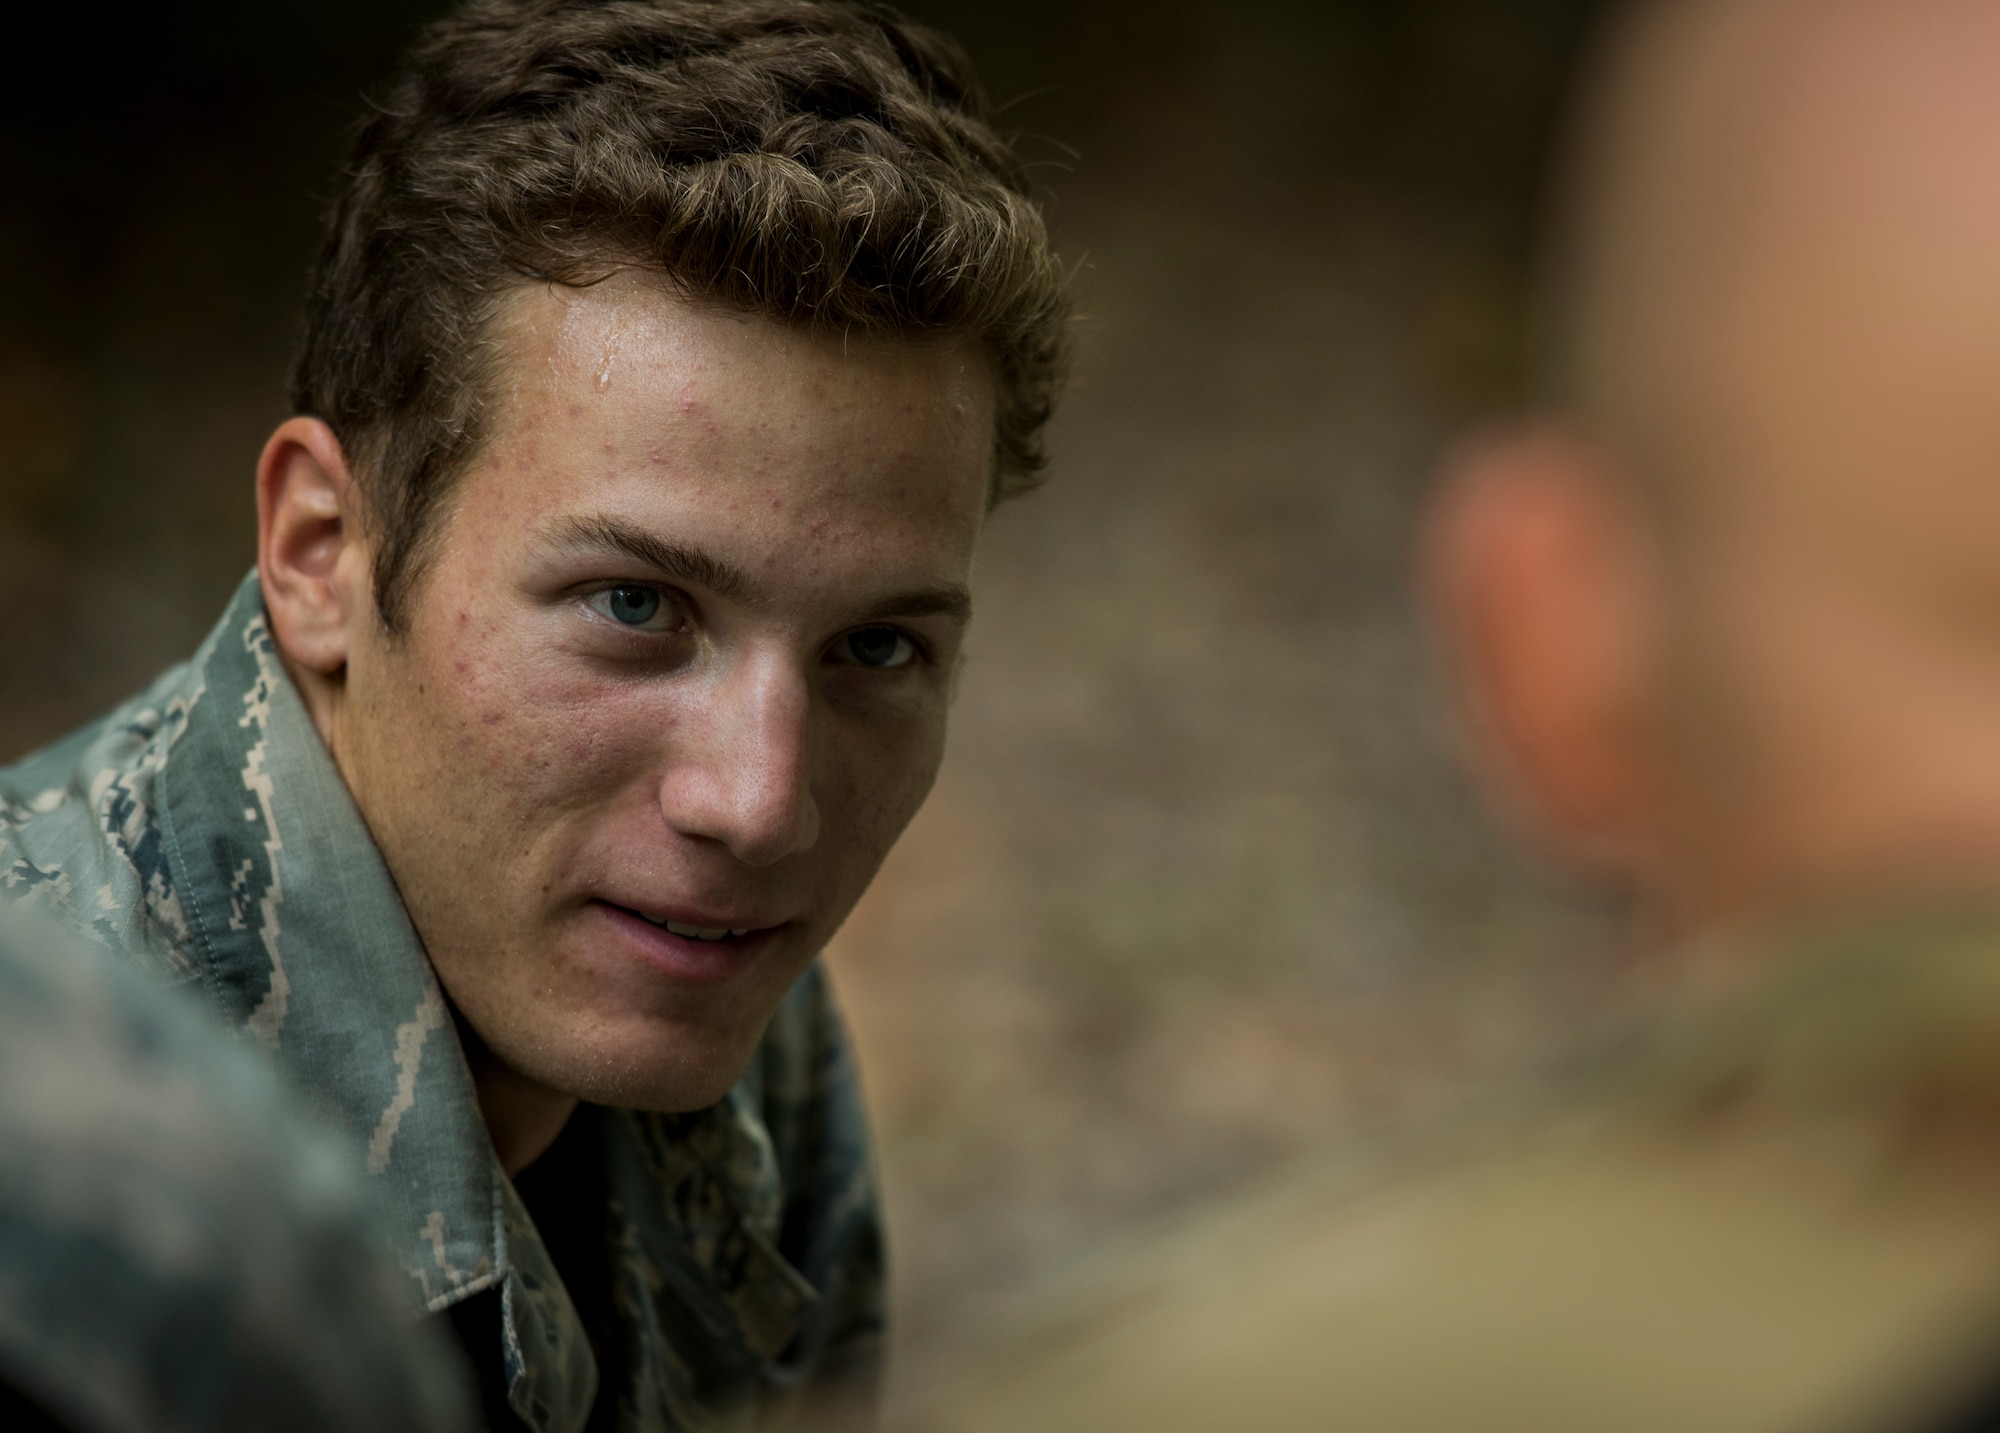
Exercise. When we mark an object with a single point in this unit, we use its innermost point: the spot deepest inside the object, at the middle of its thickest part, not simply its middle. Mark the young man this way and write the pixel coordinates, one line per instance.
(1724, 613)
(663, 361)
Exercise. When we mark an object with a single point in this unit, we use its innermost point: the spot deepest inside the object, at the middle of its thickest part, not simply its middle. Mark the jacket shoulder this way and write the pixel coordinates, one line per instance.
(81, 836)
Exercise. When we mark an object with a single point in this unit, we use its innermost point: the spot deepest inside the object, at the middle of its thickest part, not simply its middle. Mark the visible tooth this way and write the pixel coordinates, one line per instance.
(712, 933)
(677, 928)
(744, 931)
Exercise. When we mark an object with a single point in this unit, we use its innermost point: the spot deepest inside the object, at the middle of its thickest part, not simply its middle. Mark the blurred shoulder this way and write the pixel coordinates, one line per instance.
(1780, 1210)
(1630, 1279)
(179, 1246)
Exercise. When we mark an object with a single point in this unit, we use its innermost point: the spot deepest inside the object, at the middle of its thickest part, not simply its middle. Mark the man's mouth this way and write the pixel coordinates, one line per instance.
(692, 932)
(703, 946)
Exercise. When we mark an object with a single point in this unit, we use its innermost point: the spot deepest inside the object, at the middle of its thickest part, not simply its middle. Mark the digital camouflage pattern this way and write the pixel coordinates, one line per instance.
(1771, 1207)
(179, 1251)
(203, 831)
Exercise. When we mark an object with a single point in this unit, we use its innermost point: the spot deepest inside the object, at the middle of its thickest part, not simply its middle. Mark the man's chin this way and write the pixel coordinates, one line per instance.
(693, 1071)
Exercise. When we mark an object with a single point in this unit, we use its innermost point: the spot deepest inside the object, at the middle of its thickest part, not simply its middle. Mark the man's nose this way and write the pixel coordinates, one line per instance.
(743, 776)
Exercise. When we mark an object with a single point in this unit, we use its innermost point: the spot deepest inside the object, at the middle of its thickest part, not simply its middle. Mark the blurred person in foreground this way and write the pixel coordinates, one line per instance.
(180, 1250)
(662, 364)
(1727, 616)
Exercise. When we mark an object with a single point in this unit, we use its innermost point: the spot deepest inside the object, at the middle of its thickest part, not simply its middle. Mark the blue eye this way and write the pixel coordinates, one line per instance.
(880, 647)
(641, 607)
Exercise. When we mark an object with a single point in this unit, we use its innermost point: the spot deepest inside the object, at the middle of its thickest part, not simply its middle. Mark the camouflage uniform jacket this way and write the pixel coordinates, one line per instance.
(180, 1251)
(203, 831)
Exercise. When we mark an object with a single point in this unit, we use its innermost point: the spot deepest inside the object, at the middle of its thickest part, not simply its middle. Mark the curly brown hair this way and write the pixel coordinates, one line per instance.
(821, 162)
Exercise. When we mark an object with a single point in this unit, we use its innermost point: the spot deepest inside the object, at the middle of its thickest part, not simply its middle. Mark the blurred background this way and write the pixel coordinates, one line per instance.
(1201, 891)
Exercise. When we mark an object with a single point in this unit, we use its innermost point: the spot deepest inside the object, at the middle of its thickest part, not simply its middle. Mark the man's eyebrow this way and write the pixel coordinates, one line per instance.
(699, 569)
(683, 564)
(953, 602)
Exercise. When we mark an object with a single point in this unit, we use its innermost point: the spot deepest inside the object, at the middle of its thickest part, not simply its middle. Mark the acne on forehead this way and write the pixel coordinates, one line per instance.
(634, 331)
(581, 332)
(639, 384)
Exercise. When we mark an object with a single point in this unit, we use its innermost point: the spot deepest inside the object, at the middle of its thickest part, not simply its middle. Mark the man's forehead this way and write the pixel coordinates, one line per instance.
(793, 459)
(638, 326)
(648, 378)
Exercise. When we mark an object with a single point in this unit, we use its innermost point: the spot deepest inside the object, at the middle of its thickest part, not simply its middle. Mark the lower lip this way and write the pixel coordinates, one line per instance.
(703, 962)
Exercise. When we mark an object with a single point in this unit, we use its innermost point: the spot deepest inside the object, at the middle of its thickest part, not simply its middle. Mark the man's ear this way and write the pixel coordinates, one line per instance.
(1539, 584)
(311, 556)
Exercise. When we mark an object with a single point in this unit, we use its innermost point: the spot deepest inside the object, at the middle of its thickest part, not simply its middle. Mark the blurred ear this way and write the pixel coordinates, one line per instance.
(1539, 585)
(311, 557)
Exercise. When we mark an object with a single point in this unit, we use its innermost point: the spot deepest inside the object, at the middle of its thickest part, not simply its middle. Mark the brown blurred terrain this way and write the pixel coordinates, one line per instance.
(1200, 890)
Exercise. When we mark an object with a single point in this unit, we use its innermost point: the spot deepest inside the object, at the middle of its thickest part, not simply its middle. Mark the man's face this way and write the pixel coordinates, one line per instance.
(674, 680)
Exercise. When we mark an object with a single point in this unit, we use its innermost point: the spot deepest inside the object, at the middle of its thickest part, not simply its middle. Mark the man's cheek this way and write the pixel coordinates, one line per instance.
(888, 788)
(540, 740)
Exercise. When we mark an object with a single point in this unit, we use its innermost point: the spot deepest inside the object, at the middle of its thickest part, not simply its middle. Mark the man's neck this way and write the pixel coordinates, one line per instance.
(523, 1117)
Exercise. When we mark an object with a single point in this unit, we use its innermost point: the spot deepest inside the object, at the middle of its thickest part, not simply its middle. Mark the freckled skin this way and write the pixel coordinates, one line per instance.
(518, 755)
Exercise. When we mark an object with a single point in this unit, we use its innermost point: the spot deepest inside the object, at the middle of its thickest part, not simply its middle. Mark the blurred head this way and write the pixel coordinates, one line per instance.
(663, 362)
(1726, 614)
